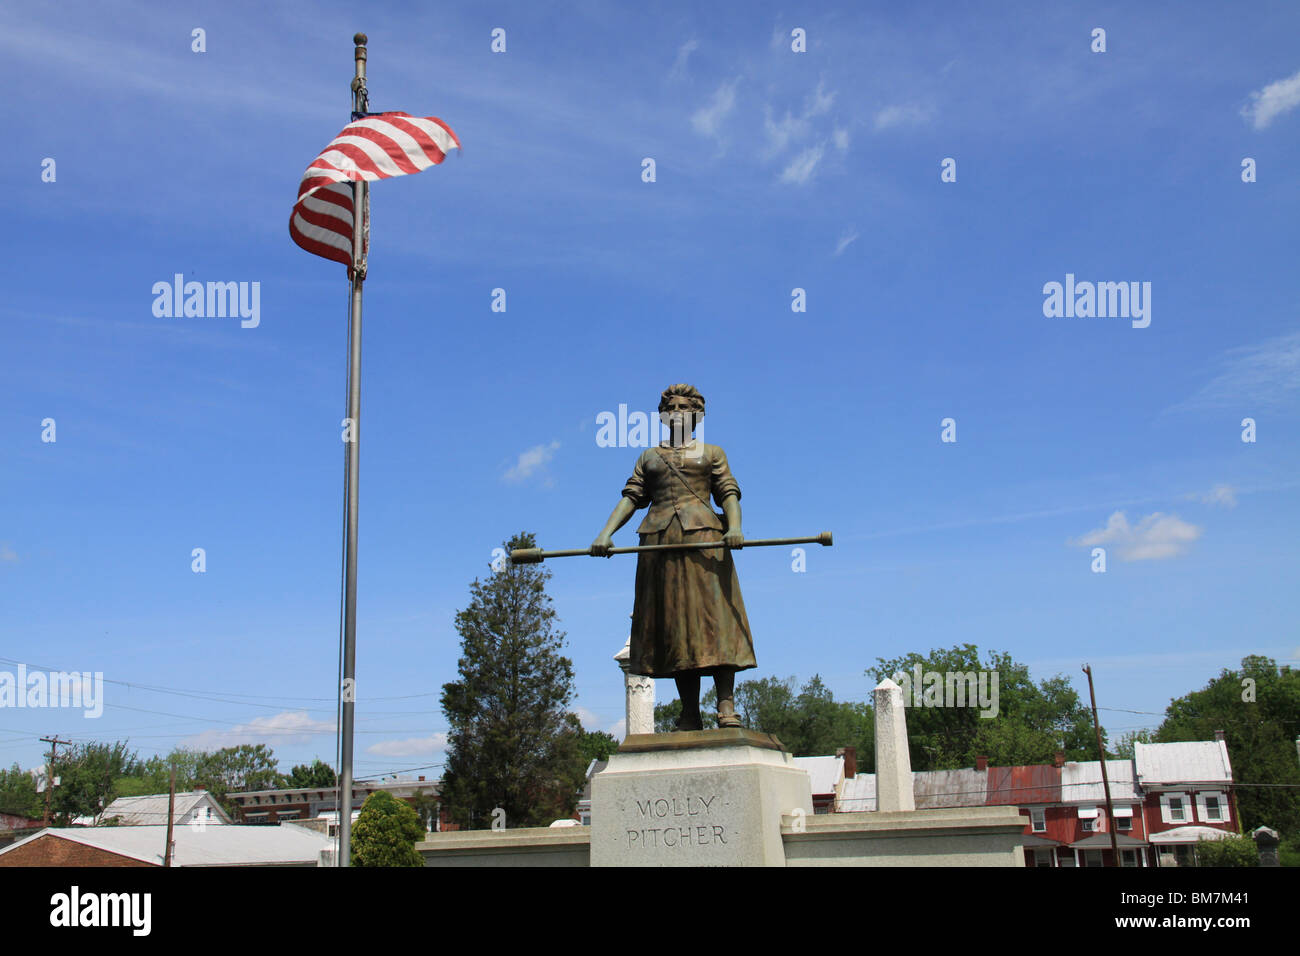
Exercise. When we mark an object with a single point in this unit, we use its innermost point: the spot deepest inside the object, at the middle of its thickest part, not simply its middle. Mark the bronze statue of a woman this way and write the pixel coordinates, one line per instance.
(689, 617)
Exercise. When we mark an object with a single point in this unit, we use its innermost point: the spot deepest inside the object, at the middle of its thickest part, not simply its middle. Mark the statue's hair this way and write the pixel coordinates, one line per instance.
(690, 391)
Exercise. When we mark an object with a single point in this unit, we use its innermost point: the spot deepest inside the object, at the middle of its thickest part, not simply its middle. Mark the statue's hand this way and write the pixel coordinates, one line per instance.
(734, 538)
(600, 547)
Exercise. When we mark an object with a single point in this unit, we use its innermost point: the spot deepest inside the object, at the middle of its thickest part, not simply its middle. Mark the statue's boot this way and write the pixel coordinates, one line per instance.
(727, 713)
(687, 722)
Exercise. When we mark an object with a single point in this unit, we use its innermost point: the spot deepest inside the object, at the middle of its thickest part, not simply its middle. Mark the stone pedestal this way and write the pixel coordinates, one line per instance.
(700, 798)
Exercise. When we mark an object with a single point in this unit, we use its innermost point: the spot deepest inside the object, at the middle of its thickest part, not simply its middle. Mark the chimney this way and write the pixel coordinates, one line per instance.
(199, 789)
(1059, 762)
(981, 764)
(1218, 735)
(421, 780)
(850, 755)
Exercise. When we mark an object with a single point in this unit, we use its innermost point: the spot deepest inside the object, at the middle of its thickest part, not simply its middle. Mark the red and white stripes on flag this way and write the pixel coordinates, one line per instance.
(377, 146)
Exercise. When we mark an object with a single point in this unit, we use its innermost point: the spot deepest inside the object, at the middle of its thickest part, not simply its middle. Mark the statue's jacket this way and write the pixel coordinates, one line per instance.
(705, 472)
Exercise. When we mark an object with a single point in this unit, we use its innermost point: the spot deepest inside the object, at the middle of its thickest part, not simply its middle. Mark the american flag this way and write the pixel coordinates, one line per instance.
(377, 146)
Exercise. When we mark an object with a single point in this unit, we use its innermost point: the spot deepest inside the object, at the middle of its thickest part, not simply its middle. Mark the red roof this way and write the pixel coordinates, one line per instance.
(1012, 786)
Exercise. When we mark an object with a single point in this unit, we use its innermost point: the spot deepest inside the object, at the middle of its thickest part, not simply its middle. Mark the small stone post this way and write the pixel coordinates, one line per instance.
(640, 695)
(893, 759)
(1266, 840)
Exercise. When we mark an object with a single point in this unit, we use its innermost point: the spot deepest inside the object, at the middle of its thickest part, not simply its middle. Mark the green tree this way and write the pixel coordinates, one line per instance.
(512, 743)
(87, 773)
(1258, 709)
(319, 774)
(595, 745)
(18, 793)
(1124, 750)
(1032, 720)
(386, 832)
(246, 767)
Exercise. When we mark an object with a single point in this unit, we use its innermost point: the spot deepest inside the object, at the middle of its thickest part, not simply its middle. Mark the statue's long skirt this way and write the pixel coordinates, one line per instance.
(689, 614)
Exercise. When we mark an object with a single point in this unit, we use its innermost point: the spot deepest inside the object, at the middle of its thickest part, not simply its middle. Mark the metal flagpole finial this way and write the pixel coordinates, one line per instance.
(360, 39)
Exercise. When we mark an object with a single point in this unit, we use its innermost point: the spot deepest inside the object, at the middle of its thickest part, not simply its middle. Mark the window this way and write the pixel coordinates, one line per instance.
(1128, 857)
(1092, 858)
(1089, 824)
(1123, 823)
(1038, 820)
(1043, 857)
(1213, 812)
(1176, 808)
(289, 814)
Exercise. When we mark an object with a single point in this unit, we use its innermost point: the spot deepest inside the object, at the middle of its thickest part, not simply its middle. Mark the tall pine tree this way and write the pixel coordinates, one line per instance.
(512, 744)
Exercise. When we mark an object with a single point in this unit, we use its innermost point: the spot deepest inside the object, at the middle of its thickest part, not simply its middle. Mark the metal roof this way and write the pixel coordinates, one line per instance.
(1081, 782)
(824, 772)
(1189, 834)
(857, 793)
(1188, 761)
(935, 789)
(151, 809)
(231, 845)
(1018, 786)
(1101, 841)
(932, 790)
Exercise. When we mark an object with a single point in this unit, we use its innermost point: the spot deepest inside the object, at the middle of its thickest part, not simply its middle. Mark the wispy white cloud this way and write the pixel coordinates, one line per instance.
(708, 120)
(678, 71)
(1155, 537)
(819, 101)
(1223, 495)
(285, 727)
(902, 115)
(530, 461)
(410, 746)
(1272, 101)
(1254, 377)
(801, 169)
(848, 236)
(840, 137)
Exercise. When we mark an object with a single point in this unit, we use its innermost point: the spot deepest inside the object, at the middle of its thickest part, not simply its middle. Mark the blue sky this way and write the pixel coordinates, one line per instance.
(774, 171)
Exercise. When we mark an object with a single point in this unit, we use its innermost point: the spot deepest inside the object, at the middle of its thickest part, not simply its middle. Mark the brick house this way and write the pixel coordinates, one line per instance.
(260, 807)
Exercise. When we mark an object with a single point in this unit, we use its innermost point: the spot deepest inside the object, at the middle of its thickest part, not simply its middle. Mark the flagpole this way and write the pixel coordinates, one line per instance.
(347, 688)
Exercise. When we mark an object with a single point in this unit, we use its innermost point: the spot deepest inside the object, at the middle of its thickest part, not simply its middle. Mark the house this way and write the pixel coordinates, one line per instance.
(193, 806)
(1082, 810)
(143, 845)
(260, 807)
(14, 826)
(1164, 800)
(1188, 787)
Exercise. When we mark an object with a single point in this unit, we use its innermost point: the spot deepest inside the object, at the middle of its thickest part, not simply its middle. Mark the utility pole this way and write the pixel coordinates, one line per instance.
(171, 809)
(1105, 779)
(54, 743)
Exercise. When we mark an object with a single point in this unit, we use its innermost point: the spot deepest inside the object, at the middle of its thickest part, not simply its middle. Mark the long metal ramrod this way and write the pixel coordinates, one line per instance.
(537, 555)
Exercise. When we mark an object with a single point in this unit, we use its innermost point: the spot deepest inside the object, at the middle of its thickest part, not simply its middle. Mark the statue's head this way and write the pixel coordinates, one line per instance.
(683, 403)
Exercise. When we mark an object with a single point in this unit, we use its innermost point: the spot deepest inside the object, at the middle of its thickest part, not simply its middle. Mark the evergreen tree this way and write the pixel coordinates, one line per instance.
(512, 743)
(386, 832)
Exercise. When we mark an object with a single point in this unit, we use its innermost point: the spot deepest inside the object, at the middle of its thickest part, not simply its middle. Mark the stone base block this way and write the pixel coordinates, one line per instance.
(704, 798)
